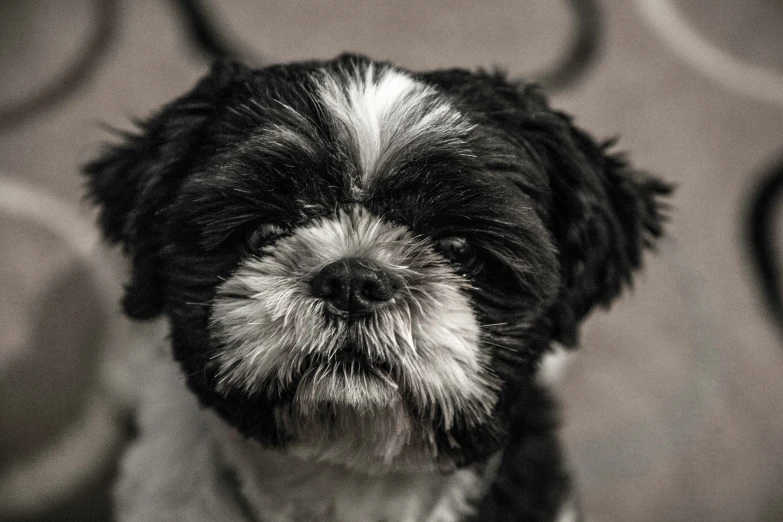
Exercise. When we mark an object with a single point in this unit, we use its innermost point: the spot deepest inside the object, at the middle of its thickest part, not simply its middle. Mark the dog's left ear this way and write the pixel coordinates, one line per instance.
(604, 214)
(133, 181)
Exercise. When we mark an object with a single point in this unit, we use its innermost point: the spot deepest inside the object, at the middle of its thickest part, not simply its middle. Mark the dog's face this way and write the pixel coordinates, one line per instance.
(365, 265)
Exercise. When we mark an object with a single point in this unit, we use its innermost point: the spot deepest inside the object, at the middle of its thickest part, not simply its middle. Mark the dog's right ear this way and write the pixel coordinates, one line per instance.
(134, 180)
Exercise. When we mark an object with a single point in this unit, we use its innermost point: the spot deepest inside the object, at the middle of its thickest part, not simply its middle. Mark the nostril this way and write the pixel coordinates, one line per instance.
(377, 287)
(333, 284)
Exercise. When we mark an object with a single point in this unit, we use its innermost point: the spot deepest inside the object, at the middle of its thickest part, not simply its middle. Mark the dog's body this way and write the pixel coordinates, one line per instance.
(362, 269)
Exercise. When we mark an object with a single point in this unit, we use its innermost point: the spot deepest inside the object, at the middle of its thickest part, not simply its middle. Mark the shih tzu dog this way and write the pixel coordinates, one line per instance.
(362, 268)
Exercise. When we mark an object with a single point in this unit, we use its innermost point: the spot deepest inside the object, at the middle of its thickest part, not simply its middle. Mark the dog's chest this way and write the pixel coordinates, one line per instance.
(279, 488)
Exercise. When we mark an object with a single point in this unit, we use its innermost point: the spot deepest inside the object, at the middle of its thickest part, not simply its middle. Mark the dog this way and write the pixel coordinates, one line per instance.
(362, 269)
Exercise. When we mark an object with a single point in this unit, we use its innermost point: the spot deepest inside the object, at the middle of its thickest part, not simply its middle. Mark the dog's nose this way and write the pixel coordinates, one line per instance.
(352, 287)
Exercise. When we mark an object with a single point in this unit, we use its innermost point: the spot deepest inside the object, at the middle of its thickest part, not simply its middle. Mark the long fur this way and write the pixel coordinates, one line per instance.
(500, 223)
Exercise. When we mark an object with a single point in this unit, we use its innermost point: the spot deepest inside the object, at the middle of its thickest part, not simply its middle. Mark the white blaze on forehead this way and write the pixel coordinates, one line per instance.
(382, 112)
(268, 322)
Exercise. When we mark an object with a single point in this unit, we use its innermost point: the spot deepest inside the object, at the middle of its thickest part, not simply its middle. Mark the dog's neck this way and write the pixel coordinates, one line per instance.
(176, 471)
(282, 488)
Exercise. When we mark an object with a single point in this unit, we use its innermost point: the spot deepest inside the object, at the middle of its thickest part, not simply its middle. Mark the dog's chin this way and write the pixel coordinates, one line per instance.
(349, 411)
(382, 440)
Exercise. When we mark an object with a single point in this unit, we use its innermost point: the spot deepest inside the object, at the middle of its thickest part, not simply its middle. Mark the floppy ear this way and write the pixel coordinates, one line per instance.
(604, 214)
(134, 180)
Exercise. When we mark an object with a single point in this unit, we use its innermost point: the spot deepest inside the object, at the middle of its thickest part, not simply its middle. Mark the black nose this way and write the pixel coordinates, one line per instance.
(352, 287)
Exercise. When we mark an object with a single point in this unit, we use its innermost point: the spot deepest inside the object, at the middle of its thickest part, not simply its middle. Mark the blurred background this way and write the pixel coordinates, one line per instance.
(672, 409)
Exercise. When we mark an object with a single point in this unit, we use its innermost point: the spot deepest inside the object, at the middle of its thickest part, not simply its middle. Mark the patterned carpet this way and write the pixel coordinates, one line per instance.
(673, 409)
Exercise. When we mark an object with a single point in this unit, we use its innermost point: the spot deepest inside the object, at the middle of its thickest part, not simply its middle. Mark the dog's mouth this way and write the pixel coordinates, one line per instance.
(348, 364)
(347, 377)
(352, 359)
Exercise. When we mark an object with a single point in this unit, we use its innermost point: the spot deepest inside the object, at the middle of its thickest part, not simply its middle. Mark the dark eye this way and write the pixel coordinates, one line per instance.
(456, 249)
(264, 234)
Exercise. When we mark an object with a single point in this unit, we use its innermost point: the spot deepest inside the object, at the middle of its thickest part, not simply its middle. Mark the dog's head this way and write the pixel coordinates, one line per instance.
(362, 264)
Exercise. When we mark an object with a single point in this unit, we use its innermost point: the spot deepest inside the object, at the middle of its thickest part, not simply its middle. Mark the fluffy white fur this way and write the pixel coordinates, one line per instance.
(272, 485)
(554, 365)
(173, 473)
(382, 111)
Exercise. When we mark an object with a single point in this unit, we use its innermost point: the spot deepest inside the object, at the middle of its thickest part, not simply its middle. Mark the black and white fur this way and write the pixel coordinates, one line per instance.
(497, 224)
